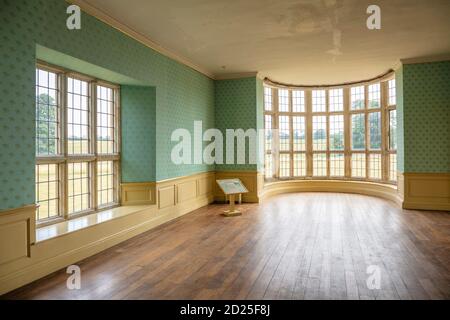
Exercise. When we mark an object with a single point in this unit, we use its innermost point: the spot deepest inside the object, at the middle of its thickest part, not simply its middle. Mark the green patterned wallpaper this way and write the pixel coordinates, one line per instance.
(237, 108)
(182, 94)
(400, 130)
(426, 117)
(138, 112)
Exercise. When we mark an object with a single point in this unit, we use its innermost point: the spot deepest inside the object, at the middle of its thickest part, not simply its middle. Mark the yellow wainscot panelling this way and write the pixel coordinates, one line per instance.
(205, 185)
(186, 190)
(17, 234)
(166, 197)
(138, 193)
(426, 191)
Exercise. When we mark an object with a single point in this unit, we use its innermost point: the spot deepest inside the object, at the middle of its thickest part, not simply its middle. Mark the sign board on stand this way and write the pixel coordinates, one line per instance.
(231, 188)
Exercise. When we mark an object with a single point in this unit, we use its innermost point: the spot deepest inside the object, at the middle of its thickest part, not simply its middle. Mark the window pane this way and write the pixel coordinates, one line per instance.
(374, 96)
(299, 133)
(79, 186)
(392, 93)
(47, 191)
(319, 164)
(47, 113)
(299, 164)
(105, 182)
(285, 165)
(337, 165)
(78, 116)
(106, 131)
(298, 101)
(358, 132)
(375, 166)
(319, 133)
(359, 165)
(375, 130)
(283, 100)
(284, 133)
(268, 99)
(336, 97)
(337, 132)
(393, 130)
(268, 132)
(318, 100)
(393, 167)
(268, 166)
(357, 99)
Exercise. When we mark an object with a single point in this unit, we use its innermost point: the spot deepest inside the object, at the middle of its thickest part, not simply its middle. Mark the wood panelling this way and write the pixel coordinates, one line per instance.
(17, 234)
(292, 246)
(187, 190)
(138, 193)
(426, 191)
(205, 185)
(166, 197)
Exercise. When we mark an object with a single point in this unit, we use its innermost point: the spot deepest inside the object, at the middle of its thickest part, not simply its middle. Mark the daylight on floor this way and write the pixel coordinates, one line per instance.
(225, 155)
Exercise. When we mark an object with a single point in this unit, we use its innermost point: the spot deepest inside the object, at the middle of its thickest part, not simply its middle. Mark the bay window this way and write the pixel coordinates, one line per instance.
(346, 132)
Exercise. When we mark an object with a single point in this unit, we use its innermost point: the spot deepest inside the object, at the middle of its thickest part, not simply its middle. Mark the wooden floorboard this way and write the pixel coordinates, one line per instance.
(293, 246)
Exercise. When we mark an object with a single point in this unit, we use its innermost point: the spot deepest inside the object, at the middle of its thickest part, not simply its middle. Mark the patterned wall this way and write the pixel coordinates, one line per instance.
(426, 104)
(400, 130)
(182, 94)
(236, 107)
(138, 112)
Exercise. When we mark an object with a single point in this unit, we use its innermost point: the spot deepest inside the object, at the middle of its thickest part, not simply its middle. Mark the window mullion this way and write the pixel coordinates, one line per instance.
(64, 170)
(327, 131)
(308, 126)
(384, 132)
(291, 136)
(367, 129)
(93, 164)
(276, 136)
(347, 134)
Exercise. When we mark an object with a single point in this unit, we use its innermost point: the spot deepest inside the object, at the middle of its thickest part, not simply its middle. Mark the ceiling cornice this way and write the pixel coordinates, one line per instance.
(104, 17)
(382, 77)
(427, 59)
(240, 75)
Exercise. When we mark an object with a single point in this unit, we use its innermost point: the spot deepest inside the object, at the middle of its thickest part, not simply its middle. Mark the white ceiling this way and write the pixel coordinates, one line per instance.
(291, 41)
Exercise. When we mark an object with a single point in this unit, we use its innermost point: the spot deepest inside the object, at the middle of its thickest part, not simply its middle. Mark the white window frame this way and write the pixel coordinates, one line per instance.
(385, 152)
(63, 158)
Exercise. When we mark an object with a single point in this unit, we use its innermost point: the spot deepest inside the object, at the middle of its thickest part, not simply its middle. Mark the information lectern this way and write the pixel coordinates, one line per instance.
(232, 188)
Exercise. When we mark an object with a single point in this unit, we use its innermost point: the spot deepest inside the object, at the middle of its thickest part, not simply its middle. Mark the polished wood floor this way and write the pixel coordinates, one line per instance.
(294, 246)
